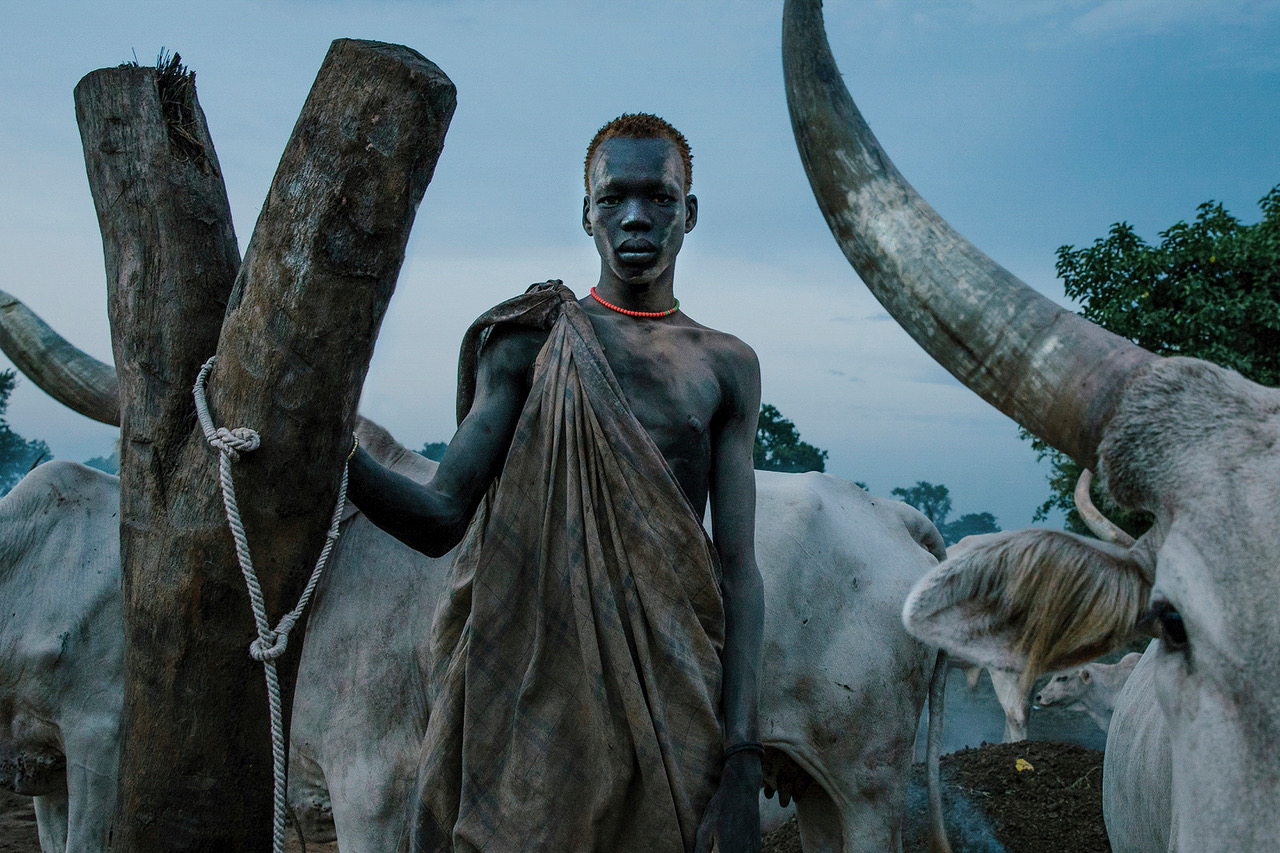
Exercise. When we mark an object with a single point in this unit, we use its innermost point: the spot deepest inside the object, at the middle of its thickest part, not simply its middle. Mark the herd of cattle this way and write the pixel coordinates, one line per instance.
(859, 593)
(845, 681)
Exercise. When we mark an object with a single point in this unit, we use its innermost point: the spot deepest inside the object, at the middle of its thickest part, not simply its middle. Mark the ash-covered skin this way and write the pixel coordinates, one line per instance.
(696, 391)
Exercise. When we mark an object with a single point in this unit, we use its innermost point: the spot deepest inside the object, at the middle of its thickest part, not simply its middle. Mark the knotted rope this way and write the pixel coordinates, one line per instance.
(270, 644)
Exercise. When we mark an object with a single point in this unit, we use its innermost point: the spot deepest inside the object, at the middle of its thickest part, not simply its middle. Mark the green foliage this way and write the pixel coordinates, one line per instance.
(935, 503)
(17, 454)
(779, 448)
(1210, 290)
(969, 524)
(434, 449)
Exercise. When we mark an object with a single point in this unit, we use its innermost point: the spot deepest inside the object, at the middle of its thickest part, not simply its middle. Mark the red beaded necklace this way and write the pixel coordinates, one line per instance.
(647, 314)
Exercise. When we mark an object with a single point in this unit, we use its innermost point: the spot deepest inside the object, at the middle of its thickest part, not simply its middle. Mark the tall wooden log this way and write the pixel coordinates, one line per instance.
(292, 354)
(171, 260)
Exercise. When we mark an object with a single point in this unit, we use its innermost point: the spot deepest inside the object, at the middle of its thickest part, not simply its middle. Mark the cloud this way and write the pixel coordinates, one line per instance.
(1146, 17)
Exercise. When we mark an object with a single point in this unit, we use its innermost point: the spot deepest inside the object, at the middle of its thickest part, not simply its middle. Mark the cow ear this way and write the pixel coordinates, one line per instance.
(1028, 600)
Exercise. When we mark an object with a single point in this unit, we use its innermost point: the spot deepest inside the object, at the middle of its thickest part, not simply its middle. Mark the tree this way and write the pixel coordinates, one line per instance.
(1210, 289)
(434, 449)
(17, 454)
(935, 503)
(779, 448)
(969, 524)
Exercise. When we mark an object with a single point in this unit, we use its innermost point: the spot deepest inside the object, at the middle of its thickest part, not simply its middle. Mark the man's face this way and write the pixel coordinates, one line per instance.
(637, 211)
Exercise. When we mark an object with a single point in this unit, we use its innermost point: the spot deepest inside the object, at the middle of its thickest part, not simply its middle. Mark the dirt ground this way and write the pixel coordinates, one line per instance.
(17, 824)
(18, 829)
(991, 806)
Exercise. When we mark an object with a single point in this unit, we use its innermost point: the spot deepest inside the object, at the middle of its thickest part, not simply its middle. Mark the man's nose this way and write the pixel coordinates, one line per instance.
(635, 216)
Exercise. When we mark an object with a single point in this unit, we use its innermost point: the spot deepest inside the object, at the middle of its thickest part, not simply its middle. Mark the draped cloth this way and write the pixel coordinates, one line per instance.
(576, 659)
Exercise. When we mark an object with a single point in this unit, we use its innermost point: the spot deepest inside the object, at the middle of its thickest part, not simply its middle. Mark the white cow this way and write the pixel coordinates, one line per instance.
(1092, 688)
(1193, 444)
(843, 682)
(61, 688)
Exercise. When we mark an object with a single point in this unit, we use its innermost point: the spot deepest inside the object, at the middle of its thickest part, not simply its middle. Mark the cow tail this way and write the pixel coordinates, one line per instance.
(938, 842)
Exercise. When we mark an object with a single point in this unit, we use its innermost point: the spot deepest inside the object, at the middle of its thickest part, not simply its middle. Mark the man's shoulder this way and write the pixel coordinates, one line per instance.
(728, 350)
(512, 332)
(512, 346)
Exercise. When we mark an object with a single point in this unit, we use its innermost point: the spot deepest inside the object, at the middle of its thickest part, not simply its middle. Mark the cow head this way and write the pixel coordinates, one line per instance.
(1195, 445)
(1065, 688)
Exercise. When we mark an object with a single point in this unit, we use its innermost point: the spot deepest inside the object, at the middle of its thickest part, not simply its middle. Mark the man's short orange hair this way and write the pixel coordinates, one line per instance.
(640, 126)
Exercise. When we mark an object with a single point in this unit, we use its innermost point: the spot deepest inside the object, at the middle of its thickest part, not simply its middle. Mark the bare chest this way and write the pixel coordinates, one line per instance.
(669, 378)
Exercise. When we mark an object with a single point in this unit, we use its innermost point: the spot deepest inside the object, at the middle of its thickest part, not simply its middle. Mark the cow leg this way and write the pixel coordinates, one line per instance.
(819, 818)
(867, 823)
(368, 801)
(51, 820)
(1016, 705)
(309, 797)
(93, 760)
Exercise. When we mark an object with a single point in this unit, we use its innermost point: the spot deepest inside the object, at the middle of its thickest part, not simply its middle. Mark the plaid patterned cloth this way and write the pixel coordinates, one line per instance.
(576, 683)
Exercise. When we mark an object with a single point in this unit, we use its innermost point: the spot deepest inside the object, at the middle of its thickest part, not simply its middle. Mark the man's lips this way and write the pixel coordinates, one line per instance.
(636, 249)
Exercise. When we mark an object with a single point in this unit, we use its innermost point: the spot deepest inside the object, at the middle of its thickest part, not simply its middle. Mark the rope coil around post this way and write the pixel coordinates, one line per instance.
(270, 643)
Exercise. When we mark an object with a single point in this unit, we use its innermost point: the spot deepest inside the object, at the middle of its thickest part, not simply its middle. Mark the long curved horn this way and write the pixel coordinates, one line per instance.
(68, 375)
(1052, 371)
(1102, 527)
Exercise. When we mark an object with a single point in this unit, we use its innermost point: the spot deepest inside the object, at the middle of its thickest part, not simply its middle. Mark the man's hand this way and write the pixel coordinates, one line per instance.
(731, 823)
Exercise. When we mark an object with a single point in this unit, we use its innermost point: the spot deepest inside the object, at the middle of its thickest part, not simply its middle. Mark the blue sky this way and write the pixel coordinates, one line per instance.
(1027, 124)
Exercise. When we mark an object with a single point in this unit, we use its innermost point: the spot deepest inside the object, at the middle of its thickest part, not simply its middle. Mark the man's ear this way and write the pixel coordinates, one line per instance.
(1029, 600)
(586, 208)
(690, 212)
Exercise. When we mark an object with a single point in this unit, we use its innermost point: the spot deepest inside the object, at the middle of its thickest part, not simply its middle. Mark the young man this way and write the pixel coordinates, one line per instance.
(596, 665)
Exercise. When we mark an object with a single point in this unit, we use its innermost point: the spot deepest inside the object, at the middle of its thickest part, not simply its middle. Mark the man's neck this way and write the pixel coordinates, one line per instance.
(656, 295)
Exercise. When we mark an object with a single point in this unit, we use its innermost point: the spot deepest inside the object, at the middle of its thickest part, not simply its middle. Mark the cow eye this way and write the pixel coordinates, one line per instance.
(1173, 633)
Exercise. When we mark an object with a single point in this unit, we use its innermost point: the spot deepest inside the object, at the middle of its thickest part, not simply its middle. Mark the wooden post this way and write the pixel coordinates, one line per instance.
(293, 350)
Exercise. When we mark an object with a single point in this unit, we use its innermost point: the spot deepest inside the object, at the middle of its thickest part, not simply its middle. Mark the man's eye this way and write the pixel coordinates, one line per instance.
(608, 200)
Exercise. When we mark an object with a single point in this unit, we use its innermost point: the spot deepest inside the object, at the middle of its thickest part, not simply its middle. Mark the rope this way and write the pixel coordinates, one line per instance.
(270, 643)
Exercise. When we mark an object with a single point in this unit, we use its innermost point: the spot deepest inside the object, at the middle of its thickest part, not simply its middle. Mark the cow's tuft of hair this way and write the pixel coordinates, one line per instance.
(1149, 460)
(1029, 600)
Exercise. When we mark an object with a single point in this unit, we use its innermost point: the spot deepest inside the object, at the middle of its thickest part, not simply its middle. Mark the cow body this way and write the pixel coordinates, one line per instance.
(1137, 769)
(843, 683)
(61, 673)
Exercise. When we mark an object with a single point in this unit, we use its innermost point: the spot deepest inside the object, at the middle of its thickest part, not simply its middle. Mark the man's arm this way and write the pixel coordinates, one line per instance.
(734, 810)
(733, 528)
(433, 517)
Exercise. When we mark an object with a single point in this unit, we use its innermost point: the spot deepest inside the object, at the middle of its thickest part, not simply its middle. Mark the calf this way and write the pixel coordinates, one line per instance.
(1091, 688)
